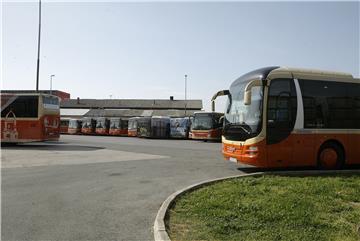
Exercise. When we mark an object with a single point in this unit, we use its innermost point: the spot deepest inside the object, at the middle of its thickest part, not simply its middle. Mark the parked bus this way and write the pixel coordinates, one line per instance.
(154, 127)
(102, 126)
(144, 127)
(88, 125)
(179, 127)
(207, 126)
(284, 117)
(29, 117)
(132, 126)
(160, 127)
(118, 127)
(64, 125)
(74, 126)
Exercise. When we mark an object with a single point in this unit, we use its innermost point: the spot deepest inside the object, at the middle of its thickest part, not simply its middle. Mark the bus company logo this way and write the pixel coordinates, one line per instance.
(230, 149)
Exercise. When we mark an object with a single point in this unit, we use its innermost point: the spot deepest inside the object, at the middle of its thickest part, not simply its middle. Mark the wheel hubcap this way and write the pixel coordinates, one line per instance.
(328, 158)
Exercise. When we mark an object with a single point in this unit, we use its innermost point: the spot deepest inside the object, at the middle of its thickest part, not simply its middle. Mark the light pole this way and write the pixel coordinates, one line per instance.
(38, 54)
(51, 77)
(185, 93)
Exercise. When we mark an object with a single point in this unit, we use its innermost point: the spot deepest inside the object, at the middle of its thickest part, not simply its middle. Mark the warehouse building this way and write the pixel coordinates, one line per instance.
(127, 108)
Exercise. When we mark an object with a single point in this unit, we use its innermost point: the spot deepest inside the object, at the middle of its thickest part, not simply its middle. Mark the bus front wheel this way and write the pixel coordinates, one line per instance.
(331, 156)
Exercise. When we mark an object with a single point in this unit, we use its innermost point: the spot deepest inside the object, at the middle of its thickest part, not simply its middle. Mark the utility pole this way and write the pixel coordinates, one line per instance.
(185, 93)
(38, 54)
(51, 77)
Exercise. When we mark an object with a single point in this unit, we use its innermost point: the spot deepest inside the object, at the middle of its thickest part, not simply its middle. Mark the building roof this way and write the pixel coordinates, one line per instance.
(137, 112)
(73, 112)
(131, 104)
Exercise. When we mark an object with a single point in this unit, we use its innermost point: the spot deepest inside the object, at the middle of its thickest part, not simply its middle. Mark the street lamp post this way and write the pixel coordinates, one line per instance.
(51, 77)
(185, 93)
(38, 54)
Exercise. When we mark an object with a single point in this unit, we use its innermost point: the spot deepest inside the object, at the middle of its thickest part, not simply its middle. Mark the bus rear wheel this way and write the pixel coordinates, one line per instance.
(331, 156)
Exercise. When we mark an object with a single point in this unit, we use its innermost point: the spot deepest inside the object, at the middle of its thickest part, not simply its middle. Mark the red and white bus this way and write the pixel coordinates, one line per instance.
(206, 126)
(284, 117)
(133, 126)
(74, 126)
(64, 126)
(88, 125)
(102, 126)
(118, 127)
(29, 117)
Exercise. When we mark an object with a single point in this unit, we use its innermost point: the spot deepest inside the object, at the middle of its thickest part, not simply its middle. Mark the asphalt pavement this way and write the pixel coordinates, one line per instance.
(98, 187)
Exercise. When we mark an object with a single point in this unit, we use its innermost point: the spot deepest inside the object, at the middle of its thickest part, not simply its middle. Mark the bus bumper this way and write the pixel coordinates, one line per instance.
(239, 152)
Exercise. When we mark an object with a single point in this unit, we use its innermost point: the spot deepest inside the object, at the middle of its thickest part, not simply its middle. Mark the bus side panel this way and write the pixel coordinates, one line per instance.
(87, 131)
(102, 131)
(299, 150)
(64, 129)
(304, 151)
(116, 132)
(354, 149)
(296, 150)
(21, 130)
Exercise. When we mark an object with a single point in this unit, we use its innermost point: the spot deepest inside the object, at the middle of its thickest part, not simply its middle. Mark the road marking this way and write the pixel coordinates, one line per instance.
(35, 158)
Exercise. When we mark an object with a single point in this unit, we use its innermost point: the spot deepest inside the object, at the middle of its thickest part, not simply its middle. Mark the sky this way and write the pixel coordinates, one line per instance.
(143, 50)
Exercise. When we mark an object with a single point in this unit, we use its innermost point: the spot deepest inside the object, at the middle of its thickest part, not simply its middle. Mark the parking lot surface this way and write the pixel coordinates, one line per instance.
(98, 187)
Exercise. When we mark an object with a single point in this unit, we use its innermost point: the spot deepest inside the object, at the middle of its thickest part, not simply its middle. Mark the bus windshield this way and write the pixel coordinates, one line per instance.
(115, 124)
(202, 122)
(100, 123)
(86, 123)
(132, 124)
(73, 124)
(243, 121)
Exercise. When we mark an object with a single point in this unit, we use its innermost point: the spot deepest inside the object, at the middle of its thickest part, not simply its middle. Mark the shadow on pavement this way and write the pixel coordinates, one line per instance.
(48, 147)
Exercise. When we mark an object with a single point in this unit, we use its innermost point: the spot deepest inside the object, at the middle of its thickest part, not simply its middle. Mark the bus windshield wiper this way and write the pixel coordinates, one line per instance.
(239, 125)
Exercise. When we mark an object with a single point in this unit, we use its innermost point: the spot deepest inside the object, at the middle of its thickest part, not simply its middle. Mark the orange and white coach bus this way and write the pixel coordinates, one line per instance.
(283, 117)
(207, 126)
(29, 117)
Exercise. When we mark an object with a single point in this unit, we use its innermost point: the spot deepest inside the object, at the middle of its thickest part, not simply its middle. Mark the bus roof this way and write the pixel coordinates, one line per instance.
(297, 73)
(208, 112)
(302, 73)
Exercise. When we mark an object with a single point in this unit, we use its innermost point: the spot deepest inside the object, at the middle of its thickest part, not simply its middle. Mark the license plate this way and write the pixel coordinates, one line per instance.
(232, 159)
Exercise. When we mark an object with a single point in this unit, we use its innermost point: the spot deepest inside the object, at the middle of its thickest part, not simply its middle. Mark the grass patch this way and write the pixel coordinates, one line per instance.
(270, 208)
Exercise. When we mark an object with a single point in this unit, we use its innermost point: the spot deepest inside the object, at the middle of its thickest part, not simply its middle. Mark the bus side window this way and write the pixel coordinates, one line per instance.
(23, 107)
(281, 112)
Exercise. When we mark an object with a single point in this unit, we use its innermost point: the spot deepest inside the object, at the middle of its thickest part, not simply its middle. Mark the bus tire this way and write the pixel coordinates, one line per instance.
(331, 156)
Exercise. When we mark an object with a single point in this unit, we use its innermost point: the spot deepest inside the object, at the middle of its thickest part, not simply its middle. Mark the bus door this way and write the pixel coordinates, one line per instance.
(281, 115)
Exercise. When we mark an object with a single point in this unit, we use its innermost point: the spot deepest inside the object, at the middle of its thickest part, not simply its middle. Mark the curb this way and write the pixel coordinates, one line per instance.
(160, 233)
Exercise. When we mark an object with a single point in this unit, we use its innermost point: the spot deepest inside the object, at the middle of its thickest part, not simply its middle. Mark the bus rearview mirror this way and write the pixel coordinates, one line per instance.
(247, 92)
(247, 97)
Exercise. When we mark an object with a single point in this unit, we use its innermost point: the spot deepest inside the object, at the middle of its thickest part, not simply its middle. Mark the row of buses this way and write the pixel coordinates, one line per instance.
(274, 117)
(203, 126)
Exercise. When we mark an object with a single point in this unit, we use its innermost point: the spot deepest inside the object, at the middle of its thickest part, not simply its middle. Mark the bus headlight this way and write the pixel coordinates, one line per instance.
(252, 150)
